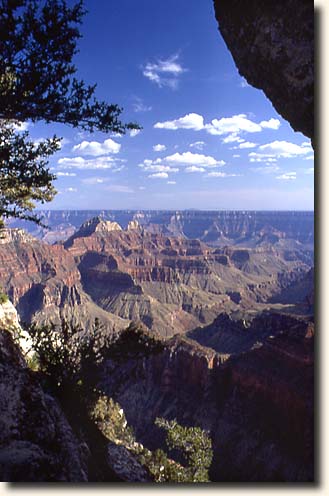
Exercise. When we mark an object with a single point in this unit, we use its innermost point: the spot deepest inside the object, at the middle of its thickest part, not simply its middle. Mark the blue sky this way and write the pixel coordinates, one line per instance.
(209, 140)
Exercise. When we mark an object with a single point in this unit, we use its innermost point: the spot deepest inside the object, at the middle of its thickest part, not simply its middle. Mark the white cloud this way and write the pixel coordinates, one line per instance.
(218, 127)
(310, 157)
(119, 188)
(164, 72)
(142, 188)
(309, 171)
(234, 124)
(157, 167)
(247, 144)
(189, 158)
(171, 182)
(94, 180)
(70, 190)
(221, 174)
(281, 149)
(189, 121)
(198, 145)
(288, 176)
(271, 124)
(82, 163)
(159, 148)
(244, 84)
(95, 148)
(159, 175)
(232, 138)
(194, 168)
(268, 169)
(65, 174)
(134, 132)
(139, 106)
(236, 155)
(21, 126)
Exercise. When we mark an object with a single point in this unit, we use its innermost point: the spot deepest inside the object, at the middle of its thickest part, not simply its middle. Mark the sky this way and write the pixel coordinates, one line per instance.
(208, 140)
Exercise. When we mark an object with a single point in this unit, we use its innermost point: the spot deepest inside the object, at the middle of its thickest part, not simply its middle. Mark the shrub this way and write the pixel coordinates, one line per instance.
(3, 298)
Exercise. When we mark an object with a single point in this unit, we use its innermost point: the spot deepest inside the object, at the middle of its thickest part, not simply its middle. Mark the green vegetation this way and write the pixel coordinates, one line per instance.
(195, 446)
(3, 298)
(69, 359)
(37, 44)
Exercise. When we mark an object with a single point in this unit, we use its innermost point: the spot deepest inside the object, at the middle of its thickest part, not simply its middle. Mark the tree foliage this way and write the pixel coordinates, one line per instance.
(67, 356)
(37, 43)
(38, 40)
(24, 176)
(70, 361)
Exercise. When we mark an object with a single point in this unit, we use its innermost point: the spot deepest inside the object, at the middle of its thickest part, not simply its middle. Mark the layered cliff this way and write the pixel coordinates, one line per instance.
(257, 404)
(214, 227)
(44, 283)
(272, 44)
(172, 284)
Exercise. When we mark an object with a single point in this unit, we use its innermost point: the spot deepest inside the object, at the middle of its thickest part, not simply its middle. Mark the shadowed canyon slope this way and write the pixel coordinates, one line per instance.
(257, 403)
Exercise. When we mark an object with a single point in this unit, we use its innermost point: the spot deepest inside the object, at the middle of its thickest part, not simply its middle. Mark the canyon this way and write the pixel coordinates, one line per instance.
(228, 332)
(172, 284)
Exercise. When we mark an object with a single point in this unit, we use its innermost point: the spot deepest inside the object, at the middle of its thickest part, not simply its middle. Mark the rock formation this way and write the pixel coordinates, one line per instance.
(36, 441)
(272, 44)
(44, 283)
(215, 228)
(174, 284)
(256, 403)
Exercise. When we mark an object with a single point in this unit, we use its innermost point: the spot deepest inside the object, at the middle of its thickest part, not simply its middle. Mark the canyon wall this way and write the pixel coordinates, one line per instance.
(272, 44)
(215, 227)
(257, 404)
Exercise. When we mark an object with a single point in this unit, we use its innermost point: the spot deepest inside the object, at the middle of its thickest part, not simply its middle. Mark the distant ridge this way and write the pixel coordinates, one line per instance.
(213, 227)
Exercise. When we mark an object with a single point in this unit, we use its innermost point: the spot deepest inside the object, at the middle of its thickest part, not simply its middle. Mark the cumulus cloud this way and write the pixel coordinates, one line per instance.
(150, 167)
(159, 175)
(267, 169)
(270, 124)
(164, 72)
(94, 180)
(189, 158)
(236, 155)
(221, 174)
(239, 123)
(96, 149)
(82, 163)
(194, 168)
(288, 176)
(171, 182)
(65, 174)
(198, 145)
(159, 148)
(231, 126)
(70, 190)
(189, 121)
(280, 149)
(247, 144)
(134, 132)
(232, 138)
(21, 126)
